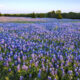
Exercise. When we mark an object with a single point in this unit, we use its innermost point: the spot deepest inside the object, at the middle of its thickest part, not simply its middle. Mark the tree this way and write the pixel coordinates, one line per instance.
(0, 14)
(51, 14)
(33, 15)
(58, 14)
(42, 15)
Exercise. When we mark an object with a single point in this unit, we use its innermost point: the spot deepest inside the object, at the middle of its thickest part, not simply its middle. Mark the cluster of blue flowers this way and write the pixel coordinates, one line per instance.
(40, 51)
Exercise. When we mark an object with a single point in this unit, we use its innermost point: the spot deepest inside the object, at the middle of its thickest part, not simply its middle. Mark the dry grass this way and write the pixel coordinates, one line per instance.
(14, 19)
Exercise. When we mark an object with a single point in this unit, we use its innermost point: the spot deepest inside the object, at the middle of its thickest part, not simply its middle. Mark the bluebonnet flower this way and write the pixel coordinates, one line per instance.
(40, 46)
(30, 75)
(15, 57)
(39, 75)
(18, 67)
(24, 67)
(19, 60)
(21, 77)
(1, 58)
(15, 63)
(77, 73)
(49, 78)
(70, 72)
(9, 59)
(9, 69)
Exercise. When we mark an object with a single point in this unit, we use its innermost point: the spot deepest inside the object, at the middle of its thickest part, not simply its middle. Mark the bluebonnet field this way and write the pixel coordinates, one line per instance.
(40, 51)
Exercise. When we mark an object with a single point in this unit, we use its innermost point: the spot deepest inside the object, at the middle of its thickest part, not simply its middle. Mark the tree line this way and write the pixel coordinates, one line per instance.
(52, 14)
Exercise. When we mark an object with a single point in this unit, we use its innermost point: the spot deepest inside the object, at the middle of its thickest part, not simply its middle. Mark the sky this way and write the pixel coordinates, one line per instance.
(38, 6)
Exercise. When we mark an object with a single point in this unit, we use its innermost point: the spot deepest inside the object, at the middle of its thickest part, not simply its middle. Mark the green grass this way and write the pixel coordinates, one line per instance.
(75, 21)
(18, 22)
(23, 22)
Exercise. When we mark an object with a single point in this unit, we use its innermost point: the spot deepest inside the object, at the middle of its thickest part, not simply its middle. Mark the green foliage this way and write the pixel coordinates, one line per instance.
(0, 14)
(52, 14)
(71, 15)
(59, 16)
(33, 15)
(41, 15)
(58, 12)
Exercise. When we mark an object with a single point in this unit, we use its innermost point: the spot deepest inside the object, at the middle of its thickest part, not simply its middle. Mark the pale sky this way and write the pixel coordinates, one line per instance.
(29, 6)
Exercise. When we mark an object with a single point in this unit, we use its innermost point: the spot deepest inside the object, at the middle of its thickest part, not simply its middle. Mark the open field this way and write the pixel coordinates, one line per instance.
(39, 49)
(19, 19)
